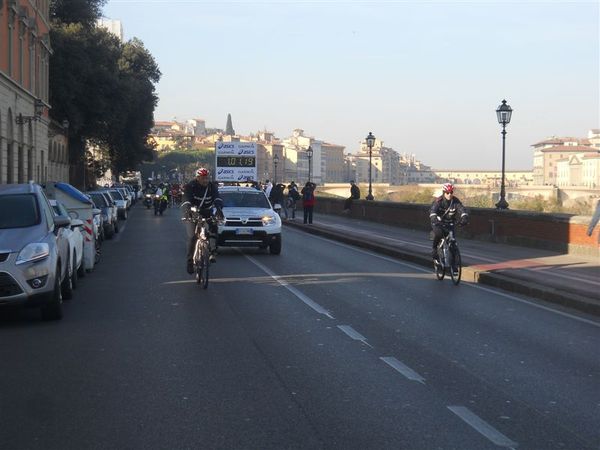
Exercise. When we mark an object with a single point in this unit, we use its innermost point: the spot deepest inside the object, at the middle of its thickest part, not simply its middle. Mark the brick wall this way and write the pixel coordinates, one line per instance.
(557, 232)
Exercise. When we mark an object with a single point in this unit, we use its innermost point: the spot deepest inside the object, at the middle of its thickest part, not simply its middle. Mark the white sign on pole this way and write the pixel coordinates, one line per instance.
(235, 161)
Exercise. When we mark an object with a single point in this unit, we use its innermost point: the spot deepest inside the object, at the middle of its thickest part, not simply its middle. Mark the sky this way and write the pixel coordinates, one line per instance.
(424, 76)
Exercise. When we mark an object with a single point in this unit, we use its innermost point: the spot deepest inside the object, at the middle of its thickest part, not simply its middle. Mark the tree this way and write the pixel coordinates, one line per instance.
(103, 87)
(84, 12)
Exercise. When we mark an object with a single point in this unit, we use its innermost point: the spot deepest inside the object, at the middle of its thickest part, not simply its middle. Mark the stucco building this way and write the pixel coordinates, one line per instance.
(24, 68)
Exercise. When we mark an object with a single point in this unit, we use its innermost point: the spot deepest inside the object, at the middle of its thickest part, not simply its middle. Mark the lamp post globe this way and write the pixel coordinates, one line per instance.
(504, 114)
(370, 139)
(275, 162)
(309, 155)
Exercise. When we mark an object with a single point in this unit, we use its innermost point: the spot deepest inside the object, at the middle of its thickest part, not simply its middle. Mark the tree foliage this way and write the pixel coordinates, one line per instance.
(84, 12)
(105, 88)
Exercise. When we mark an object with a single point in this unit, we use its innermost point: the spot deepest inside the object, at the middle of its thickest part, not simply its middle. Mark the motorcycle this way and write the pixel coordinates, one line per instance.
(148, 201)
(160, 204)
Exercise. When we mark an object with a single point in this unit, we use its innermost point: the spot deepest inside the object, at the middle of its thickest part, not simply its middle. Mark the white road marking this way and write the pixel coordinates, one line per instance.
(482, 427)
(403, 369)
(353, 334)
(310, 303)
(471, 285)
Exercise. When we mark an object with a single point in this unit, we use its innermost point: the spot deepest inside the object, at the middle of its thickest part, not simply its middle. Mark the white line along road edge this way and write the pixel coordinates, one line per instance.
(310, 303)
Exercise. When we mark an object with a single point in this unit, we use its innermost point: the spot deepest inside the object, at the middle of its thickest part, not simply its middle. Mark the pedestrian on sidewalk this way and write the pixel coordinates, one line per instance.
(293, 197)
(277, 200)
(354, 195)
(594, 221)
(308, 201)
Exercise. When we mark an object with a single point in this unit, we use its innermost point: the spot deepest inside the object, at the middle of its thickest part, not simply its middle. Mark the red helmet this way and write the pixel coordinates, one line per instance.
(448, 188)
(202, 172)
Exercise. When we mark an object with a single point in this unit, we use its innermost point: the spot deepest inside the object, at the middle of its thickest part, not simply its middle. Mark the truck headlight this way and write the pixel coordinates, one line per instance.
(33, 252)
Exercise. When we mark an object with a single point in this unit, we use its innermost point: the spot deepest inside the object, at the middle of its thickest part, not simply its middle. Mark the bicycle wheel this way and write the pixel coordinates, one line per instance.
(456, 265)
(438, 266)
(198, 262)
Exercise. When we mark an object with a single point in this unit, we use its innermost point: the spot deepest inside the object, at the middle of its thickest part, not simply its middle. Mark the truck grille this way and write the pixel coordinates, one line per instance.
(8, 286)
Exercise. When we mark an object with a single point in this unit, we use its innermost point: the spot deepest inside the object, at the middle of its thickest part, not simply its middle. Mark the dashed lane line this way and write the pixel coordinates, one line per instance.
(482, 427)
(403, 369)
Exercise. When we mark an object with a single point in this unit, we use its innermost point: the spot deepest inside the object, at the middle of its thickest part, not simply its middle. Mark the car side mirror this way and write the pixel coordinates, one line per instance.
(62, 221)
(96, 211)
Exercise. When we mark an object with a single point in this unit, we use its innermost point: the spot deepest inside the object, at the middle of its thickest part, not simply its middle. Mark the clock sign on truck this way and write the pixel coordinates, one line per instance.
(235, 161)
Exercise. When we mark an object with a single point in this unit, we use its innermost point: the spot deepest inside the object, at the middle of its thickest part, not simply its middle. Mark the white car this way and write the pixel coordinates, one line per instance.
(75, 239)
(250, 220)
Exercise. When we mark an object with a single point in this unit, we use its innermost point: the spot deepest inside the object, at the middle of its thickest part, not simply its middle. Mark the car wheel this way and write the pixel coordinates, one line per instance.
(74, 272)
(116, 227)
(53, 310)
(275, 245)
(67, 284)
(125, 215)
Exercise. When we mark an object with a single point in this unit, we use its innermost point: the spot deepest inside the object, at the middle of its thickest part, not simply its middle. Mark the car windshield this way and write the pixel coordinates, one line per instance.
(98, 200)
(18, 211)
(245, 199)
(116, 195)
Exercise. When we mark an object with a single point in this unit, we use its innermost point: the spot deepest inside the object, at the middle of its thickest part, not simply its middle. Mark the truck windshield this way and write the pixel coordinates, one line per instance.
(18, 211)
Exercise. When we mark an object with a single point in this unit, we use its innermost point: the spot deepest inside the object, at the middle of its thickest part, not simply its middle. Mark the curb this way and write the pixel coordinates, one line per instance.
(470, 274)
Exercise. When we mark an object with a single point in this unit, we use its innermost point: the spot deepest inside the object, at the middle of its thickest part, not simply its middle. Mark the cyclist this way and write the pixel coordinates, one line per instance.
(200, 192)
(446, 209)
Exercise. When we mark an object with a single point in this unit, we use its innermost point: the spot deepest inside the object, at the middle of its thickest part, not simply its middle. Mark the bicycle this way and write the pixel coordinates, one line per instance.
(201, 258)
(448, 256)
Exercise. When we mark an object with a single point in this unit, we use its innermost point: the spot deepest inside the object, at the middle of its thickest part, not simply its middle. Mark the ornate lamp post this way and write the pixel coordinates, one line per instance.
(370, 143)
(504, 112)
(275, 162)
(309, 155)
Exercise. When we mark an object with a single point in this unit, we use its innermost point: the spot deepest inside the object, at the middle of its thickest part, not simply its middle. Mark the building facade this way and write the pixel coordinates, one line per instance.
(112, 26)
(24, 67)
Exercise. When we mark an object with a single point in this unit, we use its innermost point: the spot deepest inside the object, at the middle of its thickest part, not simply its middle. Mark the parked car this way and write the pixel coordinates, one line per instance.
(109, 220)
(34, 254)
(120, 202)
(126, 195)
(113, 208)
(250, 221)
(75, 238)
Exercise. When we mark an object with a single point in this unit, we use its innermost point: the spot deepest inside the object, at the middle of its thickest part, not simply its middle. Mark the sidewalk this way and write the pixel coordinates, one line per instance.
(571, 281)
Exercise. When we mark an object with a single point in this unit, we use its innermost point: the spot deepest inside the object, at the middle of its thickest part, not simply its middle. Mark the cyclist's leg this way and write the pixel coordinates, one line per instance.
(438, 234)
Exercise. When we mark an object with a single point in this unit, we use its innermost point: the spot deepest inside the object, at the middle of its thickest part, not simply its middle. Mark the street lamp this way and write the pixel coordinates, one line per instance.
(275, 162)
(309, 155)
(504, 112)
(370, 143)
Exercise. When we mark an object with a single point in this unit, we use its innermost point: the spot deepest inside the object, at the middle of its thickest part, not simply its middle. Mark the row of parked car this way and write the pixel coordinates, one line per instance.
(50, 236)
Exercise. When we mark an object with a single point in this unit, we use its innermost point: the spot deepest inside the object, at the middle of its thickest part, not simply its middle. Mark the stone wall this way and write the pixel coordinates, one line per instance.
(557, 232)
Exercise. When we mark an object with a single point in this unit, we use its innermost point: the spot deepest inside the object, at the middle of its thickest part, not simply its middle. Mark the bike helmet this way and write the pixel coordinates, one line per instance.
(448, 188)
(202, 172)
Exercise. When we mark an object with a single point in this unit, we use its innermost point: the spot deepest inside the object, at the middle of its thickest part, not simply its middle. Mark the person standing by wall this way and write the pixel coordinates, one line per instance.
(594, 221)
(308, 201)
(293, 197)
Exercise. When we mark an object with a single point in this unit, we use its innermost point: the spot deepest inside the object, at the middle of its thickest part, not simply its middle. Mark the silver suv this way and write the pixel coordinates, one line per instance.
(250, 221)
(34, 254)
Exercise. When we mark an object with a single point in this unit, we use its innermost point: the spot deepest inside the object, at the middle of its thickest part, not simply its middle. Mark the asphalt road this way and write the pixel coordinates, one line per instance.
(323, 346)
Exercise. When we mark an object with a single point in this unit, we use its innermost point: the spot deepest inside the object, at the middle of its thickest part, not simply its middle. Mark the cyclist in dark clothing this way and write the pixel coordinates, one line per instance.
(446, 209)
(200, 192)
